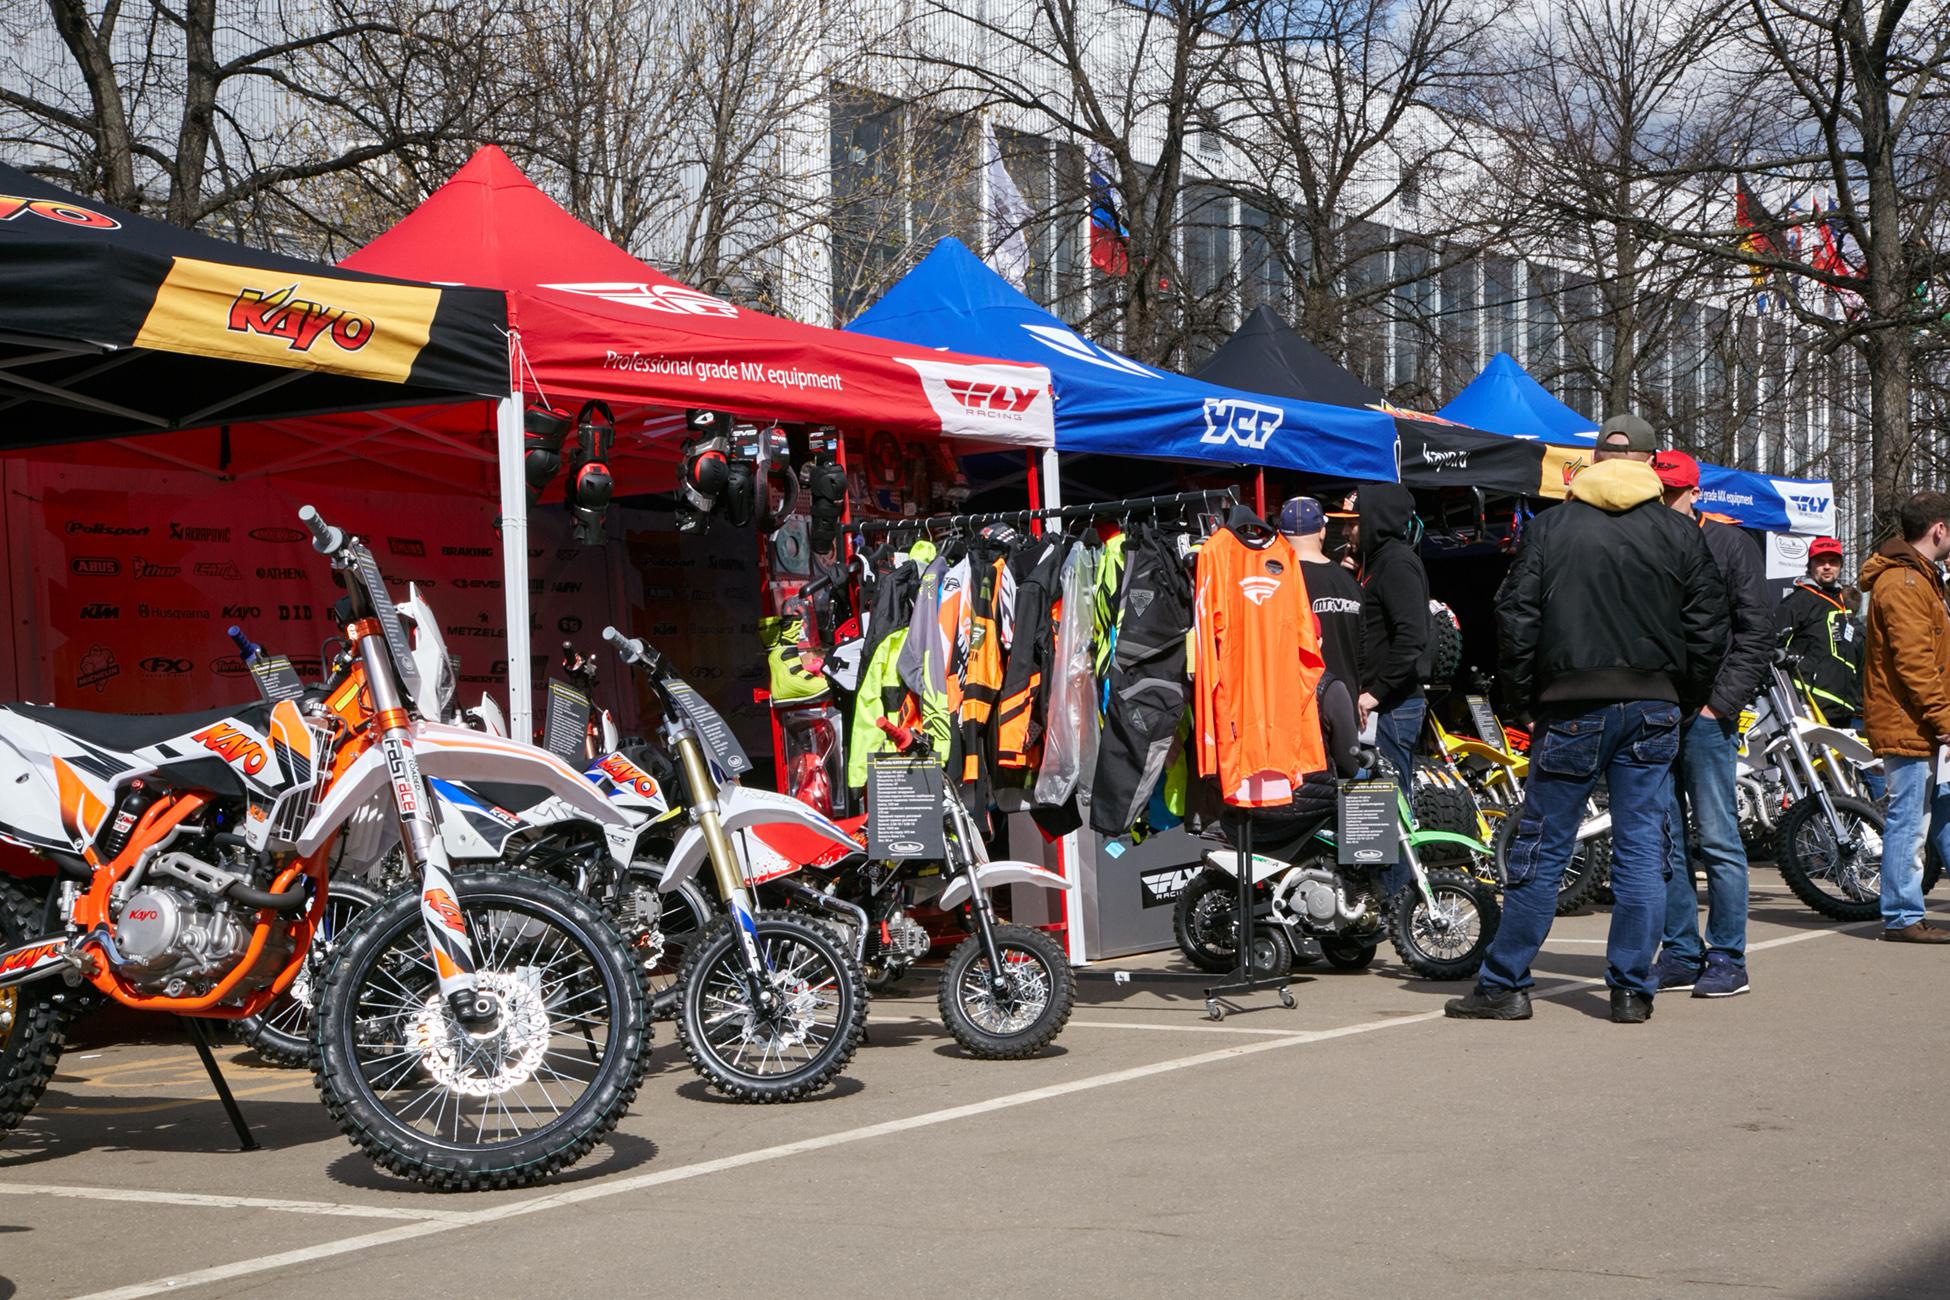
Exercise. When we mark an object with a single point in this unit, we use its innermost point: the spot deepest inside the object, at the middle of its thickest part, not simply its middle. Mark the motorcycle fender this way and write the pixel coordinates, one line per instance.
(1417, 839)
(786, 827)
(1227, 860)
(1845, 744)
(989, 875)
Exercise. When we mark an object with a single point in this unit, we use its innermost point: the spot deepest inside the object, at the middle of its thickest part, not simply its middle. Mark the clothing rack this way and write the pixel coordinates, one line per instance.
(1090, 510)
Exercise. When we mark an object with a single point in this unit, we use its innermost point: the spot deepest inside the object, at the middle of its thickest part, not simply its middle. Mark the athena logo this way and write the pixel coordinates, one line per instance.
(1259, 590)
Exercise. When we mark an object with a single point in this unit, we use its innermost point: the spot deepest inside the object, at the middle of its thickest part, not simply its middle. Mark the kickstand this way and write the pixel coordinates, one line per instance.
(1244, 978)
(200, 1037)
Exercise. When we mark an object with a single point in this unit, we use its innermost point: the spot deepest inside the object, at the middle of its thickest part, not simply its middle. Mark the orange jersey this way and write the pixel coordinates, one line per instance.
(1257, 649)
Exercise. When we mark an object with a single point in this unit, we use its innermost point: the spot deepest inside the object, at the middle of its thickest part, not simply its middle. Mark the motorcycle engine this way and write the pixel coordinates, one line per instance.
(1312, 895)
(170, 934)
(906, 939)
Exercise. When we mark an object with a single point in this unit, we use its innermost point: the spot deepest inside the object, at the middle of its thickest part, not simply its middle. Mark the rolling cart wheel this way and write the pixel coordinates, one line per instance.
(1286, 999)
(1213, 1011)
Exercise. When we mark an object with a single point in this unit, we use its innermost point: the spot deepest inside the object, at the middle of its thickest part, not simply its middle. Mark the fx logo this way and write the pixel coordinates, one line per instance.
(1230, 419)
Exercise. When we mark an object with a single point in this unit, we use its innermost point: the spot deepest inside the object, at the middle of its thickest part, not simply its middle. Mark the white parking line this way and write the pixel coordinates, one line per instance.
(200, 1200)
(454, 1220)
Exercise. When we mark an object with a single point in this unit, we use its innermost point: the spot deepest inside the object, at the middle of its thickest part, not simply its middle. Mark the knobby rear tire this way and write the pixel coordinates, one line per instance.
(31, 1048)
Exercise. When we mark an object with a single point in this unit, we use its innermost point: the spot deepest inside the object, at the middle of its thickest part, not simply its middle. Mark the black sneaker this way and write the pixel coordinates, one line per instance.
(1629, 1007)
(1489, 1004)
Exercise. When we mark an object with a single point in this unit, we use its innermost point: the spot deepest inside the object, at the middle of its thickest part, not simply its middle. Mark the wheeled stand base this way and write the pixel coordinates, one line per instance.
(1243, 979)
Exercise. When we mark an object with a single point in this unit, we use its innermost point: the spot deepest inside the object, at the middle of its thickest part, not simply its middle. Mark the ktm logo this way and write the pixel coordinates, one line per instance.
(27, 957)
(282, 314)
(992, 397)
(442, 905)
(66, 214)
(233, 746)
(622, 771)
(1259, 590)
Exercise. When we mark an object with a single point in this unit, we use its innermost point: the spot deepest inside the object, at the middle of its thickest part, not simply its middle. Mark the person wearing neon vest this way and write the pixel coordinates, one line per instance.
(1819, 624)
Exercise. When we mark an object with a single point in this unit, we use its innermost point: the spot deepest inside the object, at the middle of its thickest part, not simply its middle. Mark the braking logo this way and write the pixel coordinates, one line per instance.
(1249, 424)
(625, 773)
(300, 322)
(993, 399)
(233, 747)
(678, 299)
(56, 210)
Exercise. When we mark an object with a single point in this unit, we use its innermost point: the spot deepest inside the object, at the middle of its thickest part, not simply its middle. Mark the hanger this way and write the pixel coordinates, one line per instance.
(1249, 527)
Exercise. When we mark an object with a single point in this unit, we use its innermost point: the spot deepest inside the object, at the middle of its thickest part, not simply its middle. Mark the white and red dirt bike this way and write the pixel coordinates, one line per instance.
(482, 1029)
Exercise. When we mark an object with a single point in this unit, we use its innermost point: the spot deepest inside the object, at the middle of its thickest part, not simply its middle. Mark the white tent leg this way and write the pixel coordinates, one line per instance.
(514, 567)
(1070, 846)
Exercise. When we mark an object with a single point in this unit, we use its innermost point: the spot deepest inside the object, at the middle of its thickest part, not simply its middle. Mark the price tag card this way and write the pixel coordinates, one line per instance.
(276, 678)
(904, 794)
(713, 732)
(565, 727)
(1367, 832)
(1484, 719)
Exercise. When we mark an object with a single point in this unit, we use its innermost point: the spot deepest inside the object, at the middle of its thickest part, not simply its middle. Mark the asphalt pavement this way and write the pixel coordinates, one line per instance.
(1786, 1143)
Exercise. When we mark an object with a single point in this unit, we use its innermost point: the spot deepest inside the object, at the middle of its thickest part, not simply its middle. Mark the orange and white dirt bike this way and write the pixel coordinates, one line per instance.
(484, 1028)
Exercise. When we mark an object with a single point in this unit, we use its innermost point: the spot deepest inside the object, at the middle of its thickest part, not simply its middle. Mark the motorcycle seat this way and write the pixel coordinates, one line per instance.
(1284, 836)
(123, 732)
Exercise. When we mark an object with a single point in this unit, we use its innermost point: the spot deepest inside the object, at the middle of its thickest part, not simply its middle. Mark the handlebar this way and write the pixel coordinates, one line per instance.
(633, 651)
(903, 737)
(325, 539)
(247, 649)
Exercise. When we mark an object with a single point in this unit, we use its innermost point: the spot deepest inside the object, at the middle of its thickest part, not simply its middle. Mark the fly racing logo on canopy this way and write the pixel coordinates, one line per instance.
(1232, 419)
(678, 299)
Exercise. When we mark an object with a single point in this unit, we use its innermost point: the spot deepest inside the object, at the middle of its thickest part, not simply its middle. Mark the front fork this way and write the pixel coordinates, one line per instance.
(447, 937)
(962, 839)
(725, 868)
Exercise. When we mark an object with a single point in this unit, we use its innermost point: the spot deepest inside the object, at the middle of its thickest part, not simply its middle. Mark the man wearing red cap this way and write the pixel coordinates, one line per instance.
(1705, 775)
(1819, 622)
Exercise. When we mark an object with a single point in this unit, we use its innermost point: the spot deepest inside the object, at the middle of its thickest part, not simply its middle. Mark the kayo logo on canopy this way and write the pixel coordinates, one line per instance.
(56, 210)
(282, 314)
(1233, 419)
(680, 299)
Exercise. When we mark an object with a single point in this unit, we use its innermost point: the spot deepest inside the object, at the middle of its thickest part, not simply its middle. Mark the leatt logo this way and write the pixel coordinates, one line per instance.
(282, 314)
(141, 568)
(1251, 425)
(1259, 590)
(993, 399)
(190, 533)
(233, 746)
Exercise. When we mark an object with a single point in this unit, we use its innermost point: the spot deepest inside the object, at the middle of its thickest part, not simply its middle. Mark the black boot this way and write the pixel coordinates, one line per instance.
(1489, 1004)
(1630, 1008)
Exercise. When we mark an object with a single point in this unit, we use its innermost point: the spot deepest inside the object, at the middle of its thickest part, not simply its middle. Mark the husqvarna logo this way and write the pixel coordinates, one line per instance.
(1232, 419)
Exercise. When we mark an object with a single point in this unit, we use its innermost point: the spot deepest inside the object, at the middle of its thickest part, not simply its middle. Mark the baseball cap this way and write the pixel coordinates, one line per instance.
(1676, 469)
(1824, 546)
(1638, 434)
(1301, 516)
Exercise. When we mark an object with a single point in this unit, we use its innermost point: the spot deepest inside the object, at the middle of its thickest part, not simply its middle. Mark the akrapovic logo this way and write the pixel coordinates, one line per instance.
(1248, 424)
(197, 533)
(300, 322)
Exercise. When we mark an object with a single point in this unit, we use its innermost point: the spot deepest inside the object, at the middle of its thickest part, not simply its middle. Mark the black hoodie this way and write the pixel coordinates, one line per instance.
(1395, 606)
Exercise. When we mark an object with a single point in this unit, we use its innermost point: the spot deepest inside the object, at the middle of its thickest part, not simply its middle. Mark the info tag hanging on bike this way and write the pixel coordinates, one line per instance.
(904, 793)
(1366, 832)
(566, 725)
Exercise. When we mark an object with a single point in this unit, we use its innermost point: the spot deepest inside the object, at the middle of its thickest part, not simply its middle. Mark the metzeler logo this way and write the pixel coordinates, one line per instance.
(993, 399)
(279, 534)
(282, 314)
(1259, 590)
(1249, 424)
(63, 213)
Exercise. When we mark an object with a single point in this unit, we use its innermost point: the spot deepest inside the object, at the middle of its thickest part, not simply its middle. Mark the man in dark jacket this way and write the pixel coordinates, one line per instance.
(1394, 624)
(1612, 621)
(1705, 778)
(1336, 594)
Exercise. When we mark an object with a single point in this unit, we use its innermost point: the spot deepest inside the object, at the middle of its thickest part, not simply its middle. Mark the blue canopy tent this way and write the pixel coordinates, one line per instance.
(1505, 399)
(1109, 404)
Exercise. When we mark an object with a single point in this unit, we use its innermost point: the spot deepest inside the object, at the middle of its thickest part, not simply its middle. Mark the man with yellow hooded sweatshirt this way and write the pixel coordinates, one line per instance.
(1612, 625)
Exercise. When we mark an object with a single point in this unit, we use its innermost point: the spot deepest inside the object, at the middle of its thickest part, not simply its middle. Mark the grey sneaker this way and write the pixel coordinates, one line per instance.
(1723, 978)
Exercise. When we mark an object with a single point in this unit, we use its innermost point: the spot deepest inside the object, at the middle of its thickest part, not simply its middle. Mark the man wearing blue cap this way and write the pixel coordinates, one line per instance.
(1336, 594)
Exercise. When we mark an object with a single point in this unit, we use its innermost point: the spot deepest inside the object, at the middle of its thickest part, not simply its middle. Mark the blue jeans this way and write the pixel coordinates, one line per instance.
(1915, 806)
(1395, 733)
(1632, 744)
(1704, 779)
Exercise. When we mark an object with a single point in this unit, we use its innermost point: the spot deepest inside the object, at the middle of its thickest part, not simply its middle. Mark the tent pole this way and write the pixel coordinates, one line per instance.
(514, 566)
(1259, 491)
(1069, 848)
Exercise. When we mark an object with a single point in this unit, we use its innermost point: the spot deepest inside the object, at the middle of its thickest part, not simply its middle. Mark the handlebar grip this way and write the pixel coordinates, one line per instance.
(246, 648)
(325, 539)
(903, 737)
(629, 647)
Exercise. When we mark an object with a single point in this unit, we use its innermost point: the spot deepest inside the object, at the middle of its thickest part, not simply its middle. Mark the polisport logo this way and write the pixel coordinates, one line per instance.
(992, 400)
(677, 299)
(300, 322)
(94, 529)
(95, 566)
(1249, 424)
(56, 210)
(223, 569)
(275, 534)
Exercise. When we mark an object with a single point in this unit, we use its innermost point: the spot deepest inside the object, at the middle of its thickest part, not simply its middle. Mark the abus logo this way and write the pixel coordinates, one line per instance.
(95, 566)
(141, 568)
(406, 546)
(1232, 419)
(674, 298)
(993, 398)
(279, 534)
(218, 569)
(101, 611)
(107, 530)
(1259, 590)
(282, 314)
(282, 573)
(192, 533)
(66, 214)
(159, 664)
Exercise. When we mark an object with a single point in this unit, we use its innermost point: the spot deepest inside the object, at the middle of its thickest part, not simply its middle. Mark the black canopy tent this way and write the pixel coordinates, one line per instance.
(1266, 355)
(118, 325)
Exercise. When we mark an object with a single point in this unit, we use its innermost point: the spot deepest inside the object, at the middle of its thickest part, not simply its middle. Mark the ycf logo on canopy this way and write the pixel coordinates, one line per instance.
(1232, 419)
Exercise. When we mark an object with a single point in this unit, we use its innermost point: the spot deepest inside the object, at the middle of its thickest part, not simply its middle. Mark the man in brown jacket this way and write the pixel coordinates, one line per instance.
(1906, 705)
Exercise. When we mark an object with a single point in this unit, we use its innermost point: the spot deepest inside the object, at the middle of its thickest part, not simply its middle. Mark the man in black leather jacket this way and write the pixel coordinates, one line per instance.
(1612, 622)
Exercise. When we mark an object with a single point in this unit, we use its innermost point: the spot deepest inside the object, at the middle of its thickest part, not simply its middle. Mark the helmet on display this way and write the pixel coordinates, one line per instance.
(543, 429)
(590, 484)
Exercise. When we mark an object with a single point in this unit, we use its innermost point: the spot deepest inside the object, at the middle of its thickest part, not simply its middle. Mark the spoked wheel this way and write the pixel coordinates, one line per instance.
(33, 1017)
(460, 1108)
(281, 1033)
(1017, 1015)
(792, 1039)
(1582, 873)
(1839, 878)
(1446, 941)
(1204, 921)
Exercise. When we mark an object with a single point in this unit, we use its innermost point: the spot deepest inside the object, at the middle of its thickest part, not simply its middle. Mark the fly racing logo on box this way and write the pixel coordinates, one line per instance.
(1232, 419)
(1161, 888)
(1006, 403)
(678, 299)
(1810, 507)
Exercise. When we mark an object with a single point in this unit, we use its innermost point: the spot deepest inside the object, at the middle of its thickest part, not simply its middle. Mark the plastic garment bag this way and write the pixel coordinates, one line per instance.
(1070, 738)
